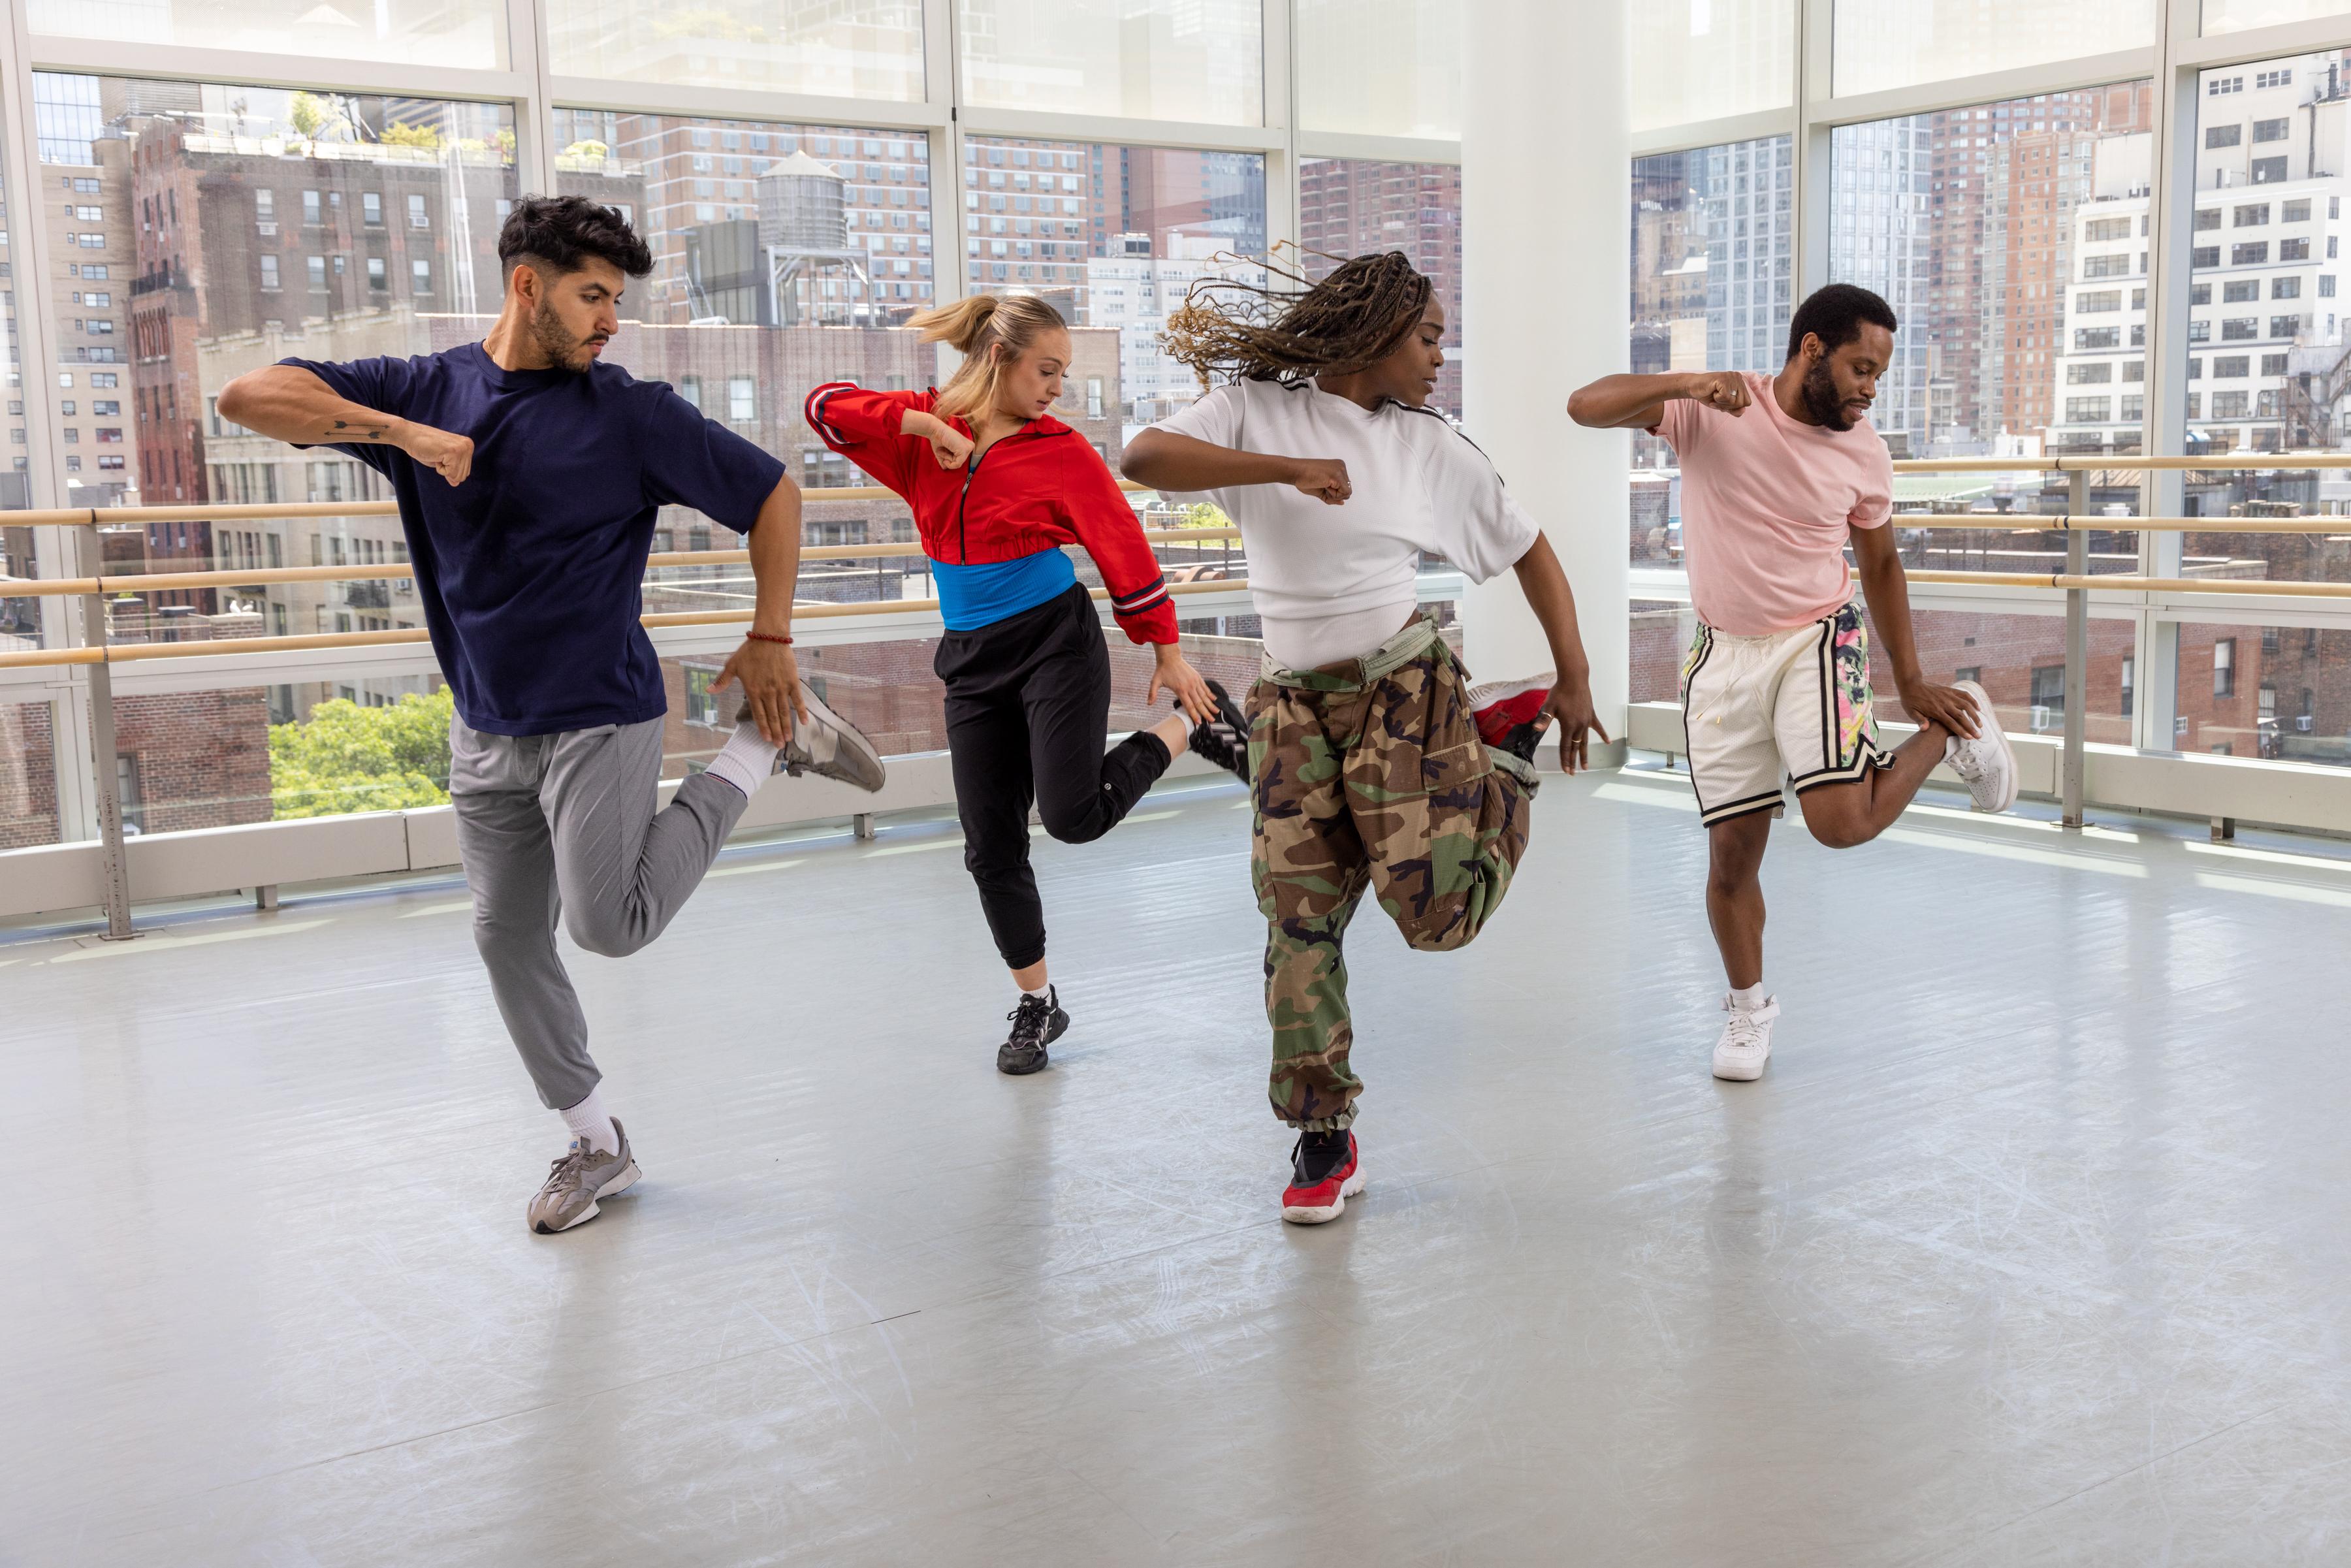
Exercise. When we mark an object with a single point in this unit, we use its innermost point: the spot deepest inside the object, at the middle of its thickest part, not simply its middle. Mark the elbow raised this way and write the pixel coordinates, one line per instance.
(236, 400)
(1579, 406)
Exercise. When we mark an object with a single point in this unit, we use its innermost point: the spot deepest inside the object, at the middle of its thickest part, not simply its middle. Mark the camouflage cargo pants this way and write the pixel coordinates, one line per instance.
(1368, 774)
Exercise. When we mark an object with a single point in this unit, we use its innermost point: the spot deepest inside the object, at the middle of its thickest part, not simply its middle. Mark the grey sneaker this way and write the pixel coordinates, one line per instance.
(828, 745)
(576, 1181)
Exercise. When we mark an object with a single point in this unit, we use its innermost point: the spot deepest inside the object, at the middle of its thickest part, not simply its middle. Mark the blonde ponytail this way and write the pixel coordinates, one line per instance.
(977, 328)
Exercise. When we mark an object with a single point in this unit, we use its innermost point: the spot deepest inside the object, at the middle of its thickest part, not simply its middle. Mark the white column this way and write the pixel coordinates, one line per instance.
(1546, 196)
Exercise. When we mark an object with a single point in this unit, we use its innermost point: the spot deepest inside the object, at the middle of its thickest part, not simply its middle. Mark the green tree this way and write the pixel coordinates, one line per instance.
(352, 759)
(423, 136)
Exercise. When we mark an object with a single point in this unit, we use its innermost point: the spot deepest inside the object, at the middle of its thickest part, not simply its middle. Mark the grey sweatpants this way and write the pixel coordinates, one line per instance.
(563, 827)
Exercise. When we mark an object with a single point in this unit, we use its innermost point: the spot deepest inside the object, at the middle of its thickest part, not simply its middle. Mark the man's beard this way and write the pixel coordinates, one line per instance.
(1821, 400)
(564, 352)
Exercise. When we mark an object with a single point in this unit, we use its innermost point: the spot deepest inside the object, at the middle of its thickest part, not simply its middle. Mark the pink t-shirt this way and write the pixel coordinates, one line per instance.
(1766, 503)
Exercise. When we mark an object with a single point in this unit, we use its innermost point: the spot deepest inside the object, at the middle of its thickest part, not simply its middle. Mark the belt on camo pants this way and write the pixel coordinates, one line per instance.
(1354, 675)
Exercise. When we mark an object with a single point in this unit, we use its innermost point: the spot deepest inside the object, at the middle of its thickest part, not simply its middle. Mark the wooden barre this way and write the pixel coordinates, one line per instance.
(221, 648)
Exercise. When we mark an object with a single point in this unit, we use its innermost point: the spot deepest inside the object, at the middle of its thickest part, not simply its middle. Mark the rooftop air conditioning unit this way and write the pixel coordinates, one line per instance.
(2039, 719)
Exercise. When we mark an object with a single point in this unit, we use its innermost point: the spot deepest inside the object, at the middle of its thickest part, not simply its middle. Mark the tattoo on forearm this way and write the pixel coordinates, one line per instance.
(345, 429)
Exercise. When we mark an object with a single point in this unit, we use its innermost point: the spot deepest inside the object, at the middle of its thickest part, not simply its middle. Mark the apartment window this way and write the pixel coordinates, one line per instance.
(2200, 294)
(2250, 217)
(2268, 170)
(2272, 130)
(2286, 287)
(2224, 667)
(2118, 265)
(2295, 212)
(742, 399)
(2097, 338)
(2133, 370)
(2223, 135)
(2088, 372)
(265, 210)
(2130, 672)
(2208, 218)
(2326, 286)
(2134, 408)
(2284, 76)
(417, 216)
(2098, 229)
(2257, 254)
(2204, 255)
(310, 212)
(2231, 406)
(2199, 331)
(2294, 250)
(1093, 397)
(2195, 405)
(2098, 303)
(2048, 695)
(2273, 364)
(2238, 329)
(2228, 367)
(2238, 290)
(419, 276)
(375, 273)
(318, 269)
(2087, 410)
(371, 208)
(2284, 326)
(268, 272)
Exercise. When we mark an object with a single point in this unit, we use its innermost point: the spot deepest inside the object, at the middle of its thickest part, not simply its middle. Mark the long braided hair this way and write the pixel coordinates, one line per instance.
(1229, 331)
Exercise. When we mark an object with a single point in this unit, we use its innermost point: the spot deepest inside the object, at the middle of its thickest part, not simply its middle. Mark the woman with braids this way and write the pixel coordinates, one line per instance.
(1377, 765)
(997, 486)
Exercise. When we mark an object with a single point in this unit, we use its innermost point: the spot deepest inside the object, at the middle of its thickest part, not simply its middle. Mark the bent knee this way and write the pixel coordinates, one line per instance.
(1075, 825)
(607, 936)
(1837, 832)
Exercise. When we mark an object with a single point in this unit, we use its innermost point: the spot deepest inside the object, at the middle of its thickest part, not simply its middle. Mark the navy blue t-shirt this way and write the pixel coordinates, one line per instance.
(531, 573)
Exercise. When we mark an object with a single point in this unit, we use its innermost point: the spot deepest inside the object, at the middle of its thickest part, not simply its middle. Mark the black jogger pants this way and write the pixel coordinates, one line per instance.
(1028, 706)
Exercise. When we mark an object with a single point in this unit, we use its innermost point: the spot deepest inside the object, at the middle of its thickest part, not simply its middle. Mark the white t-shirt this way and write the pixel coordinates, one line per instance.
(1335, 583)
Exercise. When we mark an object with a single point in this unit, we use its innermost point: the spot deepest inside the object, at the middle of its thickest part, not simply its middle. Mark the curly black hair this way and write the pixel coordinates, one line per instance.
(559, 232)
(1231, 330)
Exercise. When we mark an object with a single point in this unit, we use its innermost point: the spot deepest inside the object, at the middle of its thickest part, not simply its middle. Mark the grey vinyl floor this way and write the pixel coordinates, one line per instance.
(2029, 1248)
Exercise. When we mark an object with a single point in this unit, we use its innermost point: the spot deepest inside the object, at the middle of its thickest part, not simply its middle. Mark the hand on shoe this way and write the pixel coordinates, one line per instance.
(1174, 674)
(771, 684)
(1571, 706)
(1946, 705)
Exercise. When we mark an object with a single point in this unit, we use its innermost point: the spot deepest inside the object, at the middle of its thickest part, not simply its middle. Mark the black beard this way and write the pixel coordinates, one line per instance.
(1821, 399)
(555, 341)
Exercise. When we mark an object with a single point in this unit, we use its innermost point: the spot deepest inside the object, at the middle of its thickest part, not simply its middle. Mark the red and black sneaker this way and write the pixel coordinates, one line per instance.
(1503, 708)
(1326, 1170)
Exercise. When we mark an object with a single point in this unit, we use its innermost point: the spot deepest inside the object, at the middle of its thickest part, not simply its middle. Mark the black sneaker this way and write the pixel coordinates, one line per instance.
(1037, 1023)
(1223, 739)
(1525, 741)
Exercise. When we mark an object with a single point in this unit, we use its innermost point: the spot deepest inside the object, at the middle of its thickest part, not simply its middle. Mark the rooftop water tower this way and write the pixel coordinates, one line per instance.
(804, 229)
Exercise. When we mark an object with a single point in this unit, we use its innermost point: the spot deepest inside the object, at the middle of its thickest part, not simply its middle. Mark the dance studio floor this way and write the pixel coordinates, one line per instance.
(2030, 1249)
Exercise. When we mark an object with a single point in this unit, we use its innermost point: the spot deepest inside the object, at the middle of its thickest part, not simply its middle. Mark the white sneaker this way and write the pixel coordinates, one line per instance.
(1746, 1042)
(1986, 764)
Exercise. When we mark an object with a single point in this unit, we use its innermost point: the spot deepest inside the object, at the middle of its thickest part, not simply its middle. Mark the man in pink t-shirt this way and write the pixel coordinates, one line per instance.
(1778, 474)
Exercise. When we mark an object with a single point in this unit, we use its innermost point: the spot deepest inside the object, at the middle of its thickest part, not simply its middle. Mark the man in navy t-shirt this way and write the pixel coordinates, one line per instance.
(528, 474)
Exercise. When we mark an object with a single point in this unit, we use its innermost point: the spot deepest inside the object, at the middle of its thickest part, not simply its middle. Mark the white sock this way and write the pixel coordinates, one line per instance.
(746, 760)
(1189, 723)
(1751, 999)
(1043, 993)
(588, 1120)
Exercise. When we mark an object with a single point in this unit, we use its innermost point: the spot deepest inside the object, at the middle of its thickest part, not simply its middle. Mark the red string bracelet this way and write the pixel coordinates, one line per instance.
(766, 637)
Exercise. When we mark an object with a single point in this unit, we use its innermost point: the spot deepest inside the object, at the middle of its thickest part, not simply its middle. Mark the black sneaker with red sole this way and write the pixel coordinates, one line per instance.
(1325, 1170)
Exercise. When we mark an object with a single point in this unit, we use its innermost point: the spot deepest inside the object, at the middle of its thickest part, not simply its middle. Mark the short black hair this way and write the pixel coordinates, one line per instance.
(1835, 314)
(563, 232)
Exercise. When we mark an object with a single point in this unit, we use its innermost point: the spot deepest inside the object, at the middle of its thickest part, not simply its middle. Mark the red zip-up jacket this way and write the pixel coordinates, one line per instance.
(1037, 489)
